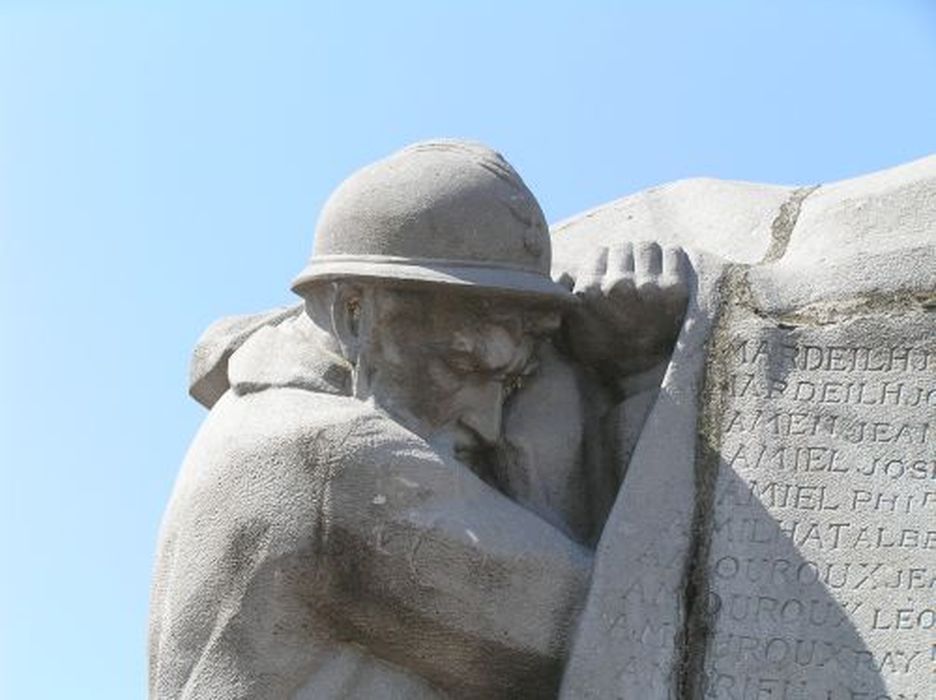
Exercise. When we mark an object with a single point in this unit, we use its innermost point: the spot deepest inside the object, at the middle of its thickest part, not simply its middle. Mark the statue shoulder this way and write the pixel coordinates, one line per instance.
(208, 370)
(296, 432)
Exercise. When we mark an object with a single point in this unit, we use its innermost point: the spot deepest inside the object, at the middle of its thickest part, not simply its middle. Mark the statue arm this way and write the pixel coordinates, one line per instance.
(434, 570)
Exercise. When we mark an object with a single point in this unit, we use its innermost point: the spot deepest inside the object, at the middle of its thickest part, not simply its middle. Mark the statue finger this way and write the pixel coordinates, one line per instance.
(648, 259)
(620, 259)
(592, 270)
(675, 272)
(648, 262)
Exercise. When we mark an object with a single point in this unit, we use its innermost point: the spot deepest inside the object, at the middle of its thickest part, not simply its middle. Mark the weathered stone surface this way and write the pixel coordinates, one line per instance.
(631, 637)
(819, 526)
(871, 235)
(820, 548)
(377, 505)
(733, 220)
(208, 378)
(711, 480)
(807, 566)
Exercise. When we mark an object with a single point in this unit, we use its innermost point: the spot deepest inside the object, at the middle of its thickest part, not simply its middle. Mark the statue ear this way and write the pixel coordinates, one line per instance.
(346, 311)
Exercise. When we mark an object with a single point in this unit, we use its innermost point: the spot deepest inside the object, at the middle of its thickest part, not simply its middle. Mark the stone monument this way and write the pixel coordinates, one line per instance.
(679, 447)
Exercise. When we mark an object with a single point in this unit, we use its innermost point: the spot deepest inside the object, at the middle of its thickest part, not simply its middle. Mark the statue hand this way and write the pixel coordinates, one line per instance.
(631, 301)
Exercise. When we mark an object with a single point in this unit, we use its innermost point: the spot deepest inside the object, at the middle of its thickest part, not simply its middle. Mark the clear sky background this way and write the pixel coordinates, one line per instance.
(162, 165)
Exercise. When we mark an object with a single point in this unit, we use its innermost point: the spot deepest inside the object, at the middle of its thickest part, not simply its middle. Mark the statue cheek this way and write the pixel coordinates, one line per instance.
(440, 389)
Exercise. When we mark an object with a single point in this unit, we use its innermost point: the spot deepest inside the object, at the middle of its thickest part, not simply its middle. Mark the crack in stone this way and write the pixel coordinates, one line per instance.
(782, 227)
(735, 297)
(828, 312)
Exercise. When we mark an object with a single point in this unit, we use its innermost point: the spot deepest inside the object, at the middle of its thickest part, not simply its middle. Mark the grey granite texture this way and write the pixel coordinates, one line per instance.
(774, 537)
(697, 467)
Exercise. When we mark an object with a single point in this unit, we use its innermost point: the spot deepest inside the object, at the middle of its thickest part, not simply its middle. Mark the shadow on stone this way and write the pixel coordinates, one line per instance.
(780, 624)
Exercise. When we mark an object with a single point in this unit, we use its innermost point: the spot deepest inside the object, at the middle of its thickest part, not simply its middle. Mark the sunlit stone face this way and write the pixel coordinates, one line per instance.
(445, 361)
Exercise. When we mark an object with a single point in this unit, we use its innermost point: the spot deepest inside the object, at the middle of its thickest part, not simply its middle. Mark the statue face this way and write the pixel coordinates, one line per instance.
(445, 361)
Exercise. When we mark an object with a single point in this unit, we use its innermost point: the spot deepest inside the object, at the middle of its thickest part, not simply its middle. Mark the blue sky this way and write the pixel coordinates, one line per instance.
(162, 165)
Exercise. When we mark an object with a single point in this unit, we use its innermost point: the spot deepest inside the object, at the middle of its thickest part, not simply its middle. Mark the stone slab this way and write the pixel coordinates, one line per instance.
(821, 562)
(802, 564)
(733, 220)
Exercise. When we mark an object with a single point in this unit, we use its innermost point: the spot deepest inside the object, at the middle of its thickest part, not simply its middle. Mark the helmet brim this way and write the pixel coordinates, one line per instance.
(469, 274)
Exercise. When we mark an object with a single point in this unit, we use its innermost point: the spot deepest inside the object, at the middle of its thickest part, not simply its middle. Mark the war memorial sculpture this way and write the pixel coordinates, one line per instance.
(680, 446)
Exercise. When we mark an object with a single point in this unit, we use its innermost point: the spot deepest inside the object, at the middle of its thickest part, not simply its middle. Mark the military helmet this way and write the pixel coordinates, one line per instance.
(442, 212)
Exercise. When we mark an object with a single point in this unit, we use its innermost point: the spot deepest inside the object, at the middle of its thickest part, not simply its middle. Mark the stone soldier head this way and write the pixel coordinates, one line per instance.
(431, 275)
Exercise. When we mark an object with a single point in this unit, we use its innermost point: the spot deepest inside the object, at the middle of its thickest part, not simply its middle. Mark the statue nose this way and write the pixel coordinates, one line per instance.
(485, 411)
